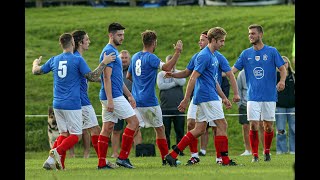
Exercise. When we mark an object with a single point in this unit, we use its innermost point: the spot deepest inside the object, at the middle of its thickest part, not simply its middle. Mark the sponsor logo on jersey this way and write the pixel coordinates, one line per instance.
(258, 72)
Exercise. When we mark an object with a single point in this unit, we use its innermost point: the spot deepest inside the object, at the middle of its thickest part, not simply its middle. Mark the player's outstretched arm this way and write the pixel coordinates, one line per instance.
(36, 68)
(169, 64)
(94, 76)
(181, 74)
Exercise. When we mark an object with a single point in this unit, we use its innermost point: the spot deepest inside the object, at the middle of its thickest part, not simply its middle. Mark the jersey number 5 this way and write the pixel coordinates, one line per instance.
(62, 69)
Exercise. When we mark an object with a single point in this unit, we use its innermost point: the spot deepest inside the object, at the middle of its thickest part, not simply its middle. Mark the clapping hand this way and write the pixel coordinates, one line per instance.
(178, 46)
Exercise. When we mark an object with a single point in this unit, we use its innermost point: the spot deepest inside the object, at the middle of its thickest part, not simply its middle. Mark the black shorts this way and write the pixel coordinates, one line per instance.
(243, 118)
(119, 125)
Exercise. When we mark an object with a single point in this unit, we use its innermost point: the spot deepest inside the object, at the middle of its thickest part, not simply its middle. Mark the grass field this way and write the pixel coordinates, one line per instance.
(279, 168)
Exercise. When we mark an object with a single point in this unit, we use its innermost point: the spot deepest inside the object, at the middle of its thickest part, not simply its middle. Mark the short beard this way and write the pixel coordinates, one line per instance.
(256, 42)
(117, 43)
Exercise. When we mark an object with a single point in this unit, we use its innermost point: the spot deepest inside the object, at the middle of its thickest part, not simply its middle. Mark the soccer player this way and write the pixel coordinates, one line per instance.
(260, 63)
(223, 67)
(142, 72)
(89, 117)
(118, 127)
(203, 81)
(114, 105)
(68, 71)
(192, 110)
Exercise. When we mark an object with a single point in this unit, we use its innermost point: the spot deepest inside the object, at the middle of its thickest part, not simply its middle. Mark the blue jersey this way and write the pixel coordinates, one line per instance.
(205, 88)
(191, 65)
(68, 71)
(83, 88)
(223, 66)
(260, 70)
(116, 76)
(144, 68)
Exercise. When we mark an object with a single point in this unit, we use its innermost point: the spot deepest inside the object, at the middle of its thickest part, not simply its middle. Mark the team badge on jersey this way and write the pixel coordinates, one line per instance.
(257, 58)
(264, 57)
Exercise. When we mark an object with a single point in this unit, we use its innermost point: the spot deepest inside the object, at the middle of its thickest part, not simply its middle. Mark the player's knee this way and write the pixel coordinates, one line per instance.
(190, 126)
(95, 130)
(268, 129)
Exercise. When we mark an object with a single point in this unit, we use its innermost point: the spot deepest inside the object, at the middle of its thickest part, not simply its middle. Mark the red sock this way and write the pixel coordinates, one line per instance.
(63, 155)
(126, 144)
(102, 150)
(254, 142)
(267, 141)
(163, 147)
(184, 142)
(194, 146)
(94, 141)
(61, 138)
(67, 143)
(222, 146)
(58, 141)
(218, 151)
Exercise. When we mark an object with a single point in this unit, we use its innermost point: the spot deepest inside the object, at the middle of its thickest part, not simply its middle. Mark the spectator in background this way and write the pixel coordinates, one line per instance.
(225, 85)
(242, 109)
(285, 112)
(118, 127)
(171, 94)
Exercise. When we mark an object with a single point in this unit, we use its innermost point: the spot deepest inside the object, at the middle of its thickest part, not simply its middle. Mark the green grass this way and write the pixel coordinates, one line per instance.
(44, 26)
(279, 168)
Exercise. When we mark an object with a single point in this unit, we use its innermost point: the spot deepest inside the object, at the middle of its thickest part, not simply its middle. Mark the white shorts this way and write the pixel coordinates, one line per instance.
(122, 110)
(211, 123)
(209, 111)
(258, 111)
(89, 117)
(69, 121)
(192, 110)
(149, 116)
